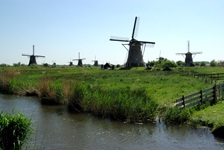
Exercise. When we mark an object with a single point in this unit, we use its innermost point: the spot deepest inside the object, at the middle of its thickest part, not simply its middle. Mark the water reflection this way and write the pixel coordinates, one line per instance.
(55, 128)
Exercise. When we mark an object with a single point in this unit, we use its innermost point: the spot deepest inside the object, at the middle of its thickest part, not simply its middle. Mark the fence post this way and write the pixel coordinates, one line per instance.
(222, 90)
(214, 94)
(183, 100)
(201, 97)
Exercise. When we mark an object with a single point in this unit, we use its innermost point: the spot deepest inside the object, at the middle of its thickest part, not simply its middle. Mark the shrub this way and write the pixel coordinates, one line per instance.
(213, 63)
(203, 63)
(180, 63)
(177, 115)
(14, 131)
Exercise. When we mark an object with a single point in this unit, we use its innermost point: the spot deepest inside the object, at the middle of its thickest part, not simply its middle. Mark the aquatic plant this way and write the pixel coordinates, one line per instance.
(177, 115)
(120, 104)
(14, 131)
(5, 79)
(49, 92)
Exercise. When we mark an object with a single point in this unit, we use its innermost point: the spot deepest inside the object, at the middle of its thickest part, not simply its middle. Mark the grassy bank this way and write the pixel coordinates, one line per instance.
(212, 116)
(128, 95)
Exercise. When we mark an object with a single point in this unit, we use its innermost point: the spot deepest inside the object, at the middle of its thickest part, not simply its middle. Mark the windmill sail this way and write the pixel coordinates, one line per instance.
(188, 55)
(135, 55)
(80, 61)
(32, 57)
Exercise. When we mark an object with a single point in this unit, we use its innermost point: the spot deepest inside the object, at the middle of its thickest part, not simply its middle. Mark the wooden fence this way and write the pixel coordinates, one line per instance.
(211, 95)
(213, 77)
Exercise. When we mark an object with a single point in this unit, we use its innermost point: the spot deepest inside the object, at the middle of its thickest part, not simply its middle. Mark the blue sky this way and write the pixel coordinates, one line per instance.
(60, 29)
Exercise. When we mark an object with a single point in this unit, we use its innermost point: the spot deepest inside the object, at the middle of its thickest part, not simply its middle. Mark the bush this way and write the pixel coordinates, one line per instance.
(213, 63)
(14, 131)
(203, 63)
(177, 115)
(180, 63)
(168, 64)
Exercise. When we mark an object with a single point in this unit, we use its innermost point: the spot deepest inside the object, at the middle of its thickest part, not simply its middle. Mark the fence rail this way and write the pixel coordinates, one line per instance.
(213, 77)
(211, 95)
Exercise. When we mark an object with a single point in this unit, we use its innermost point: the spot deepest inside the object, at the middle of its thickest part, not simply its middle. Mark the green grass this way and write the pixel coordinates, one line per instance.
(122, 94)
(212, 116)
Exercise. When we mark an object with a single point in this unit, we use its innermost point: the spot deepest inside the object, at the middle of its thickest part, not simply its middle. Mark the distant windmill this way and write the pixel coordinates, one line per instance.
(80, 61)
(135, 56)
(188, 56)
(54, 63)
(32, 57)
(160, 58)
(95, 62)
(70, 63)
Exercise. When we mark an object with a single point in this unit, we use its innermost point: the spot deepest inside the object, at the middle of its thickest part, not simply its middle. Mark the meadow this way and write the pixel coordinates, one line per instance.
(135, 95)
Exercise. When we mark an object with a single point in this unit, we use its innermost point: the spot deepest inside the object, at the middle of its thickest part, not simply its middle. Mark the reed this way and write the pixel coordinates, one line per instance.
(50, 93)
(123, 104)
(5, 81)
(14, 131)
(177, 115)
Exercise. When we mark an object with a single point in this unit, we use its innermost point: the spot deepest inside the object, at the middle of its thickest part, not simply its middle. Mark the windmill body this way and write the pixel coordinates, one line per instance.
(32, 57)
(79, 61)
(95, 62)
(188, 56)
(135, 55)
(70, 63)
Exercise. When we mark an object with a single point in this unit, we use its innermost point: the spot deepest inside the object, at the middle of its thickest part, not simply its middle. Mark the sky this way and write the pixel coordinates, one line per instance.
(60, 29)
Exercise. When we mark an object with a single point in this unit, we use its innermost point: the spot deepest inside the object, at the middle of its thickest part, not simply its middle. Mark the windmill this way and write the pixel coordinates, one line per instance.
(79, 60)
(32, 57)
(54, 63)
(160, 58)
(135, 56)
(70, 63)
(95, 62)
(188, 55)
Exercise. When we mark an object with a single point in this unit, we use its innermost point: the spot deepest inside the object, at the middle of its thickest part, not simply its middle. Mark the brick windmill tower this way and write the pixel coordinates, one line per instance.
(188, 56)
(135, 55)
(79, 61)
(32, 57)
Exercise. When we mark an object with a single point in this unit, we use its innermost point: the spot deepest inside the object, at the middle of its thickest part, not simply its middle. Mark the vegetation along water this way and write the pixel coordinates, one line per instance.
(135, 95)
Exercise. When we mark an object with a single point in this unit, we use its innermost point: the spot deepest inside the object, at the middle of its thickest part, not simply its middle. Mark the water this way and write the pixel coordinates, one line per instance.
(57, 129)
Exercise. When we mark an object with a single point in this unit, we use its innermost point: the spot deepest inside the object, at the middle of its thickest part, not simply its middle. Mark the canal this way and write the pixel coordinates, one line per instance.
(55, 128)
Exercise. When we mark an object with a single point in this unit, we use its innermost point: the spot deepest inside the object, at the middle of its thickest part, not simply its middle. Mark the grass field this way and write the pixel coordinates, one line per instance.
(119, 94)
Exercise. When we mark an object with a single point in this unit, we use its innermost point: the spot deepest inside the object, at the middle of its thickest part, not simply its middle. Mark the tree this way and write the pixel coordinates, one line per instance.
(180, 63)
(203, 63)
(213, 63)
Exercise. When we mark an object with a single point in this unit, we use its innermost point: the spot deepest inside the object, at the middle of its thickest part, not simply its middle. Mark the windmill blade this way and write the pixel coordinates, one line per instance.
(26, 55)
(180, 53)
(33, 49)
(74, 59)
(39, 56)
(135, 28)
(83, 59)
(146, 42)
(121, 39)
(196, 52)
